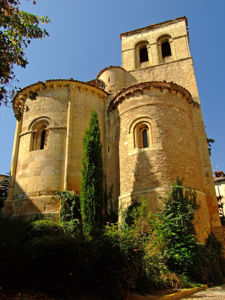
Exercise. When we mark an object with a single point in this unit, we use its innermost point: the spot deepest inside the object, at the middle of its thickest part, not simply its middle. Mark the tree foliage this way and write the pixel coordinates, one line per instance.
(92, 178)
(17, 29)
(210, 142)
(70, 206)
(178, 230)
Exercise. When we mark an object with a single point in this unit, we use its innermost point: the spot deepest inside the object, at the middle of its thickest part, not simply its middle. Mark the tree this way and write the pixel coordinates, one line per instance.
(178, 229)
(210, 142)
(17, 29)
(92, 178)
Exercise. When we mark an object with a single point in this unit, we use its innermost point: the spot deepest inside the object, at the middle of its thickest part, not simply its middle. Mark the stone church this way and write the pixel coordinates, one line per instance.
(151, 125)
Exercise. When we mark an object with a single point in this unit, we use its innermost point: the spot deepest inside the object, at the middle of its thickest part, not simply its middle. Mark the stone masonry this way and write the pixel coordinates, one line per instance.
(151, 125)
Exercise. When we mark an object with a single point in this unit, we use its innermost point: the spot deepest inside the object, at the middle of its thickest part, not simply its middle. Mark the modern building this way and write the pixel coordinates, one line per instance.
(219, 181)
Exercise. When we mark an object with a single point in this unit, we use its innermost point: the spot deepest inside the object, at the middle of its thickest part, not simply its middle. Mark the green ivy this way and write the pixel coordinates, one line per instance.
(70, 206)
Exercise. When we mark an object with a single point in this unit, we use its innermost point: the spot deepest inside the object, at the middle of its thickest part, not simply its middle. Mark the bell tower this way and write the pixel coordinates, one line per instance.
(164, 98)
(160, 52)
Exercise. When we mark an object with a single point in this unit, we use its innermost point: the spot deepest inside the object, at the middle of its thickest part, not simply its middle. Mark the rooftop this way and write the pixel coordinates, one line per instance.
(154, 26)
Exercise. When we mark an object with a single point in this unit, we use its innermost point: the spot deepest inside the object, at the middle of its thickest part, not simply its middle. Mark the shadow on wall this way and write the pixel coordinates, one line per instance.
(111, 161)
(4, 184)
(41, 204)
(146, 182)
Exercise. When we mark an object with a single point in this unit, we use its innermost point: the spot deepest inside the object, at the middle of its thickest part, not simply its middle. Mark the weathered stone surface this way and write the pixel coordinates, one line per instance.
(157, 98)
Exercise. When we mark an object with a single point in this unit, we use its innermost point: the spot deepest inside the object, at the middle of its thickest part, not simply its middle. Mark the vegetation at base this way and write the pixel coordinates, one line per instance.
(209, 266)
(91, 198)
(17, 29)
(178, 230)
(62, 264)
(145, 252)
(70, 214)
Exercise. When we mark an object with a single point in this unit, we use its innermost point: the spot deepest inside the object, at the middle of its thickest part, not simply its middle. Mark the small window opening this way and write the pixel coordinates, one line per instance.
(43, 133)
(144, 138)
(108, 148)
(143, 54)
(166, 51)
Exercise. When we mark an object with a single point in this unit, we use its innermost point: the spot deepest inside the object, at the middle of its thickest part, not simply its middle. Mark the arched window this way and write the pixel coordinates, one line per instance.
(143, 54)
(39, 134)
(166, 51)
(164, 48)
(43, 135)
(142, 136)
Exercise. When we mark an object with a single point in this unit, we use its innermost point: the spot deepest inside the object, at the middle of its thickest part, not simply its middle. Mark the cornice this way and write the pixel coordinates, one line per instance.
(25, 93)
(162, 85)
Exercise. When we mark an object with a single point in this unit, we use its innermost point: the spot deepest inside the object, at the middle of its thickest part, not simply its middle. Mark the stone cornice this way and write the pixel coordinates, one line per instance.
(154, 26)
(162, 85)
(23, 94)
(108, 68)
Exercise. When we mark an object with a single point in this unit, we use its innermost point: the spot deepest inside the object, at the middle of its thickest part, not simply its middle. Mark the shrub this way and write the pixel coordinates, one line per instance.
(121, 264)
(70, 214)
(12, 236)
(40, 228)
(208, 265)
(178, 230)
(70, 206)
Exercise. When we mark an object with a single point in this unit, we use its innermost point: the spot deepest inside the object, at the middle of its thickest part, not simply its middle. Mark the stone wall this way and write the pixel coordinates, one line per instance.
(64, 109)
(172, 151)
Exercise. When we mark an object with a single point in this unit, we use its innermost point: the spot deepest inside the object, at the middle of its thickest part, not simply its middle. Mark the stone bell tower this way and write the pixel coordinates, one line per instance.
(162, 134)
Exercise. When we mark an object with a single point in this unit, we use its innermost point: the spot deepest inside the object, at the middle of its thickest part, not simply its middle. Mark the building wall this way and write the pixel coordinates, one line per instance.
(160, 92)
(172, 152)
(40, 172)
(83, 104)
(37, 174)
(177, 68)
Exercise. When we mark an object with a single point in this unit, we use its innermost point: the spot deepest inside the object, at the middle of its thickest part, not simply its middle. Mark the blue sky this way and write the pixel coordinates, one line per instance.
(85, 38)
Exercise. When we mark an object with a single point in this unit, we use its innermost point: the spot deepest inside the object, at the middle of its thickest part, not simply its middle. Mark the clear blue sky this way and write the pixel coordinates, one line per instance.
(85, 38)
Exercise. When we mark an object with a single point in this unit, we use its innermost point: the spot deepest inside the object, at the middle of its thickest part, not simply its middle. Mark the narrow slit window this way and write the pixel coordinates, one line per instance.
(143, 54)
(43, 134)
(166, 50)
(144, 138)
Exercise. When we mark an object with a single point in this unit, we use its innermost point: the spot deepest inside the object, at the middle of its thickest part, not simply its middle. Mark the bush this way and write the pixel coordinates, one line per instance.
(43, 257)
(40, 228)
(70, 206)
(208, 265)
(120, 265)
(108, 267)
(12, 237)
(58, 266)
(70, 214)
(178, 230)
